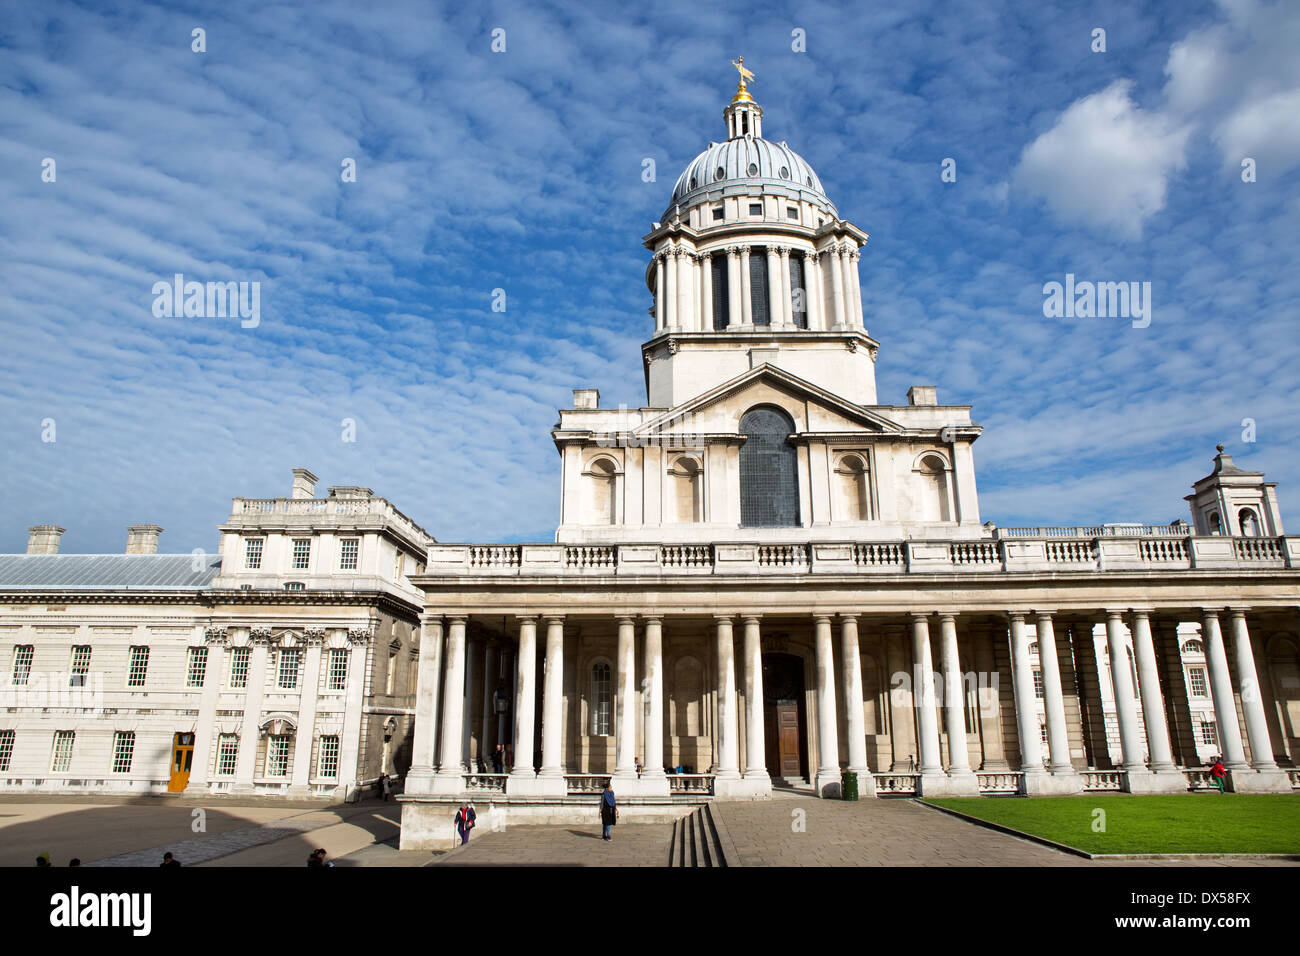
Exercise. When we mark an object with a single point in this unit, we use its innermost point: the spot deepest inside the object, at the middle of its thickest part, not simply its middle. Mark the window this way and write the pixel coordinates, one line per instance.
(196, 666)
(1209, 733)
(286, 677)
(327, 761)
(397, 566)
(721, 290)
(756, 209)
(337, 675)
(1248, 523)
(301, 553)
(600, 699)
(123, 750)
(138, 668)
(61, 757)
(6, 749)
(798, 293)
(23, 655)
(1038, 684)
(792, 212)
(227, 754)
(239, 668)
(933, 474)
(717, 213)
(603, 498)
(348, 549)
(390, 679)
(758, 301)
(769, 482)
(1196, 678)
(80, 665)
(253, 554)
(685, 473)
(1033, 648)
(854, 501)
(1216, 526)
(277, 755)
(1193, 647)
(294, 586)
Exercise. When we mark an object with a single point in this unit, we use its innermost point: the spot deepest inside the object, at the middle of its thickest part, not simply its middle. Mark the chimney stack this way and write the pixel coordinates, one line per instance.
(304, 484)
(43, 539)
(142, 539)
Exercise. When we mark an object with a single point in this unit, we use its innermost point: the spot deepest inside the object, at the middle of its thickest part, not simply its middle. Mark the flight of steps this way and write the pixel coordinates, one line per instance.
(696, 841)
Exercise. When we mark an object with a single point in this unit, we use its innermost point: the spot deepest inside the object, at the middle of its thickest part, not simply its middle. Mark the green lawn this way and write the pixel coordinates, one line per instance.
(1182, 823)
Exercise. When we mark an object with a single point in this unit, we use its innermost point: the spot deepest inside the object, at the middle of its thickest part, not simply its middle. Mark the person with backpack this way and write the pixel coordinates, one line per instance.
(608, 810)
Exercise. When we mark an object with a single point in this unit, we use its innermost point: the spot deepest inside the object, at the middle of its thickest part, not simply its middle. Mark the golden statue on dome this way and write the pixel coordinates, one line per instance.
(741, 92)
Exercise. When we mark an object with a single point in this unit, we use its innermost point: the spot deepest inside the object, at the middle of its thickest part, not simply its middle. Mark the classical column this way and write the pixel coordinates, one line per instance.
(923, 687)
(696, 323)
(837, 285)
(553, 702)
(774, 312)
(670, 262)
(1160, 754)
(684, 290)
(746, 294)
(735, 314)
(813, 300)
(525, 700)
(452, 765)
(487, 739)
(787, 315)
(473, 662)
(1058, 735)
(661, 307)
(954, 697)
(855, 722)
(1252, 700)
(755, 741)
(728, 764)
(216, 640)
(625, 733)
(1225, 707)
(505, 677)
(854, 294)
(424, 745)
(654, 707)
(828, 763)
(706, 293)
(255, 685)
(1121, 679)
(1031, 744)
(305, 735)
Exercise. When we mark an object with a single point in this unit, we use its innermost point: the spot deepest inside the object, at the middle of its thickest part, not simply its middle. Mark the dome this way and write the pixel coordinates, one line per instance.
(747, 161)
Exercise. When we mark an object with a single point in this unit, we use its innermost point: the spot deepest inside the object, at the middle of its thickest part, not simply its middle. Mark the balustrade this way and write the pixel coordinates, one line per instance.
(1003, 782)
(1102, 779)
(897, 783)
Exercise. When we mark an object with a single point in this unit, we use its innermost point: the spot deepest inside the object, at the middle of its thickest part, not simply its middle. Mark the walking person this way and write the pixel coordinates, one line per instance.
(1218, 775)
(465, 818)
(384, 787)
(499, 759)
(638, 768)
(608, 810)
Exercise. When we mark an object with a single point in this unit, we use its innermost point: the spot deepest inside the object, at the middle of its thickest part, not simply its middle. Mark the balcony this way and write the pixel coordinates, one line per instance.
(258, 512)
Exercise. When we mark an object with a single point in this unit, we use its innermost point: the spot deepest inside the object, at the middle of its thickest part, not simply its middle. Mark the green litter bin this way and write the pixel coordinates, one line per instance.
(848, 785)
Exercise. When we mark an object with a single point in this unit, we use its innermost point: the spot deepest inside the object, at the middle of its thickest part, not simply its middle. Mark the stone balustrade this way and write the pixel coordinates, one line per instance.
(489, 782)
(695, 783)
(1199, 780)
(1294, 775)
(577, 783)
(1098, 780)
(330, 507)
(1013, 554)
(895, 783)
(1002, 782)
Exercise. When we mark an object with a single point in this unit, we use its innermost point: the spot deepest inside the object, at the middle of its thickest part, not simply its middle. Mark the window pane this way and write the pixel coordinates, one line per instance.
(769, 489)
(758, 285)
(721, 292)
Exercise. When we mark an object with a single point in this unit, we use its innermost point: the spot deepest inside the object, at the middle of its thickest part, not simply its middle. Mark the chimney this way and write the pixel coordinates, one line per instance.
(586, 398)
(923, 395)
(304, 484)
(351, 491)
(142, 539)
(43, 539)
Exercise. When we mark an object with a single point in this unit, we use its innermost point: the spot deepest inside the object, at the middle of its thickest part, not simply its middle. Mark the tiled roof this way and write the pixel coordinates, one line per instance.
(106, 572)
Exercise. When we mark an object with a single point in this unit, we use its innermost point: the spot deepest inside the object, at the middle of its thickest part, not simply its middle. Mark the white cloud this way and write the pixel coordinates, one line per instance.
(1106, 162)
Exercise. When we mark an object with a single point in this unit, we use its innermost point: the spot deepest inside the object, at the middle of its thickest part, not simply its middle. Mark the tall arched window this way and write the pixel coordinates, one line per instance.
(1216, 526)
(685, 475)
(769, 478)
(721, 290)
(1249, 524)
(798, 295)
(854, 503)
(600, 699)
(758, 285)
(601, 477)
(934, 489)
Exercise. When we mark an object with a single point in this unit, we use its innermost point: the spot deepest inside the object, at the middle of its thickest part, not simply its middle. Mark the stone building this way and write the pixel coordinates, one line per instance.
(766, 577)
(283, 664)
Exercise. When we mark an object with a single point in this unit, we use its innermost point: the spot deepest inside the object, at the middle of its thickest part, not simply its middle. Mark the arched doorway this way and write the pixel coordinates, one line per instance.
(784, 717)
(769, 476)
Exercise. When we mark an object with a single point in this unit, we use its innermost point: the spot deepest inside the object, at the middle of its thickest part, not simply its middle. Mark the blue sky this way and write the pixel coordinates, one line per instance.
(522, 171)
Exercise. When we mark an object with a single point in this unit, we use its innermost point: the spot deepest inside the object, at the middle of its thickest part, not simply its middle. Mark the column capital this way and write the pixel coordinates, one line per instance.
(457, 618)
(1140, 612)
(1237, 611)
(847, 616)
(628, 619)
(819, 618)
(1043, 615)
(526, 618)
(430, 618)
(921, 616)
(724, 618)
(652, 619)
(553, 618)
(1014, 616)
(747, 618)
(1113, 613)
(946, 615)
(1211, 612)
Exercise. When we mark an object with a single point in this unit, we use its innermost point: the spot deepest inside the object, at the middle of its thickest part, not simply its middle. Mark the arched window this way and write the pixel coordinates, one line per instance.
(853, 485)
(798, 294)
(601, 477)
(600, 699)
(1193, 647)
(686, 487)
(758, 285)
(769, 479)
(934, 489)
(721, 290)
(1216, 526)
(1248, 523)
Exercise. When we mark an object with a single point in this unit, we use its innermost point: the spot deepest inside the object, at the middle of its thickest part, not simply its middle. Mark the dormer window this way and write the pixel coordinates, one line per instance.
(348, 550)
(294, 586)
(717, 214)
(253, 554)
(756, 209)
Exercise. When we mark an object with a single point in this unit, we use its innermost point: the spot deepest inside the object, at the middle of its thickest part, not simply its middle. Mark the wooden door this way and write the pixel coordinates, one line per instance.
(787, 724)
(182, 759)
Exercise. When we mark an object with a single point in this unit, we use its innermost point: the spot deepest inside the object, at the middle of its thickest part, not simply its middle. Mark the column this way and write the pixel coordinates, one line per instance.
(1031, 745)
(735, 315)
(813, 280)
(451, 767)
(249, 730)
(525, 699)
(1225, 707)
(774, 312)
(473, 661)
(787, 314)
(755, 739)
(625, 701)
(855, 721)
(1160, 754)
(205, 731)
(305, 735)
(854, 293)
(360, 642)
(923, 688)
(706, 293)
(424, 744)
(728, 764)
(553, 703)
(1058, 736)
(488, 739)
(670, 317)
(902, 714)
(1125, 701)
(746, 296)
(697, 294)
(684, 290)
(954, 697)
(654, 708)
(661, 307)
(1252, 700)
(505, 678)
(837, 288)
(828, 763)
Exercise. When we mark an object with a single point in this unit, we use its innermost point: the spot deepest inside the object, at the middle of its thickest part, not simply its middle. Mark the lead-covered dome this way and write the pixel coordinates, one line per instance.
(746, 160)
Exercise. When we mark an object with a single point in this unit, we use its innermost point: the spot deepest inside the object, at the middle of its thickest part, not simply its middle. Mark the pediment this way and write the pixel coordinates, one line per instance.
(719, 410)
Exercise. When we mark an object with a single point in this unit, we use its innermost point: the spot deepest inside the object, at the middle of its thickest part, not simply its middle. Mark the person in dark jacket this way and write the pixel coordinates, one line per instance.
(608, 810)
(465, 818)
(499, 759)
(169, 860)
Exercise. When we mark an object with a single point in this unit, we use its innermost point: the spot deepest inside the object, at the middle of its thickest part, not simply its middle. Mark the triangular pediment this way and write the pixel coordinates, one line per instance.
(813, 408)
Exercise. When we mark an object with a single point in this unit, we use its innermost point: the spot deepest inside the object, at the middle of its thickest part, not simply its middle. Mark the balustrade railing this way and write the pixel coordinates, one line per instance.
(1102, 779)
(589, 556)
(494, 556)
(782, 556)
(902, 783)
(1257, 549)
(879, 556)
(1005, 782)
(696, 783)
(1097, 531)
(974, 553)
(1070, 552)
(686, 555)
(491, 782)
(1199, 780)
(1163, 551)
(585, 782)
(349, 507)
(1295, 778)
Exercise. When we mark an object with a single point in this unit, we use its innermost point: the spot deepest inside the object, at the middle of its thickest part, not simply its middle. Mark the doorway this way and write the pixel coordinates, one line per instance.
(182, 760)
(784, 718)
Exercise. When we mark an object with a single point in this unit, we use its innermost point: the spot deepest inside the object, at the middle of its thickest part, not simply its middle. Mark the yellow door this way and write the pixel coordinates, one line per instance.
(182, 758)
